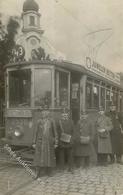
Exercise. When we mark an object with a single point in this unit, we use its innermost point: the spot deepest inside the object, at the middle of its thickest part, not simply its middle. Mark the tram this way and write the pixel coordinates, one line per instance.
(36, 85)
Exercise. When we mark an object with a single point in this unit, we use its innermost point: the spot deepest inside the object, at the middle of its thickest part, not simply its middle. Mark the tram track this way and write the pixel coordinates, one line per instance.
(19, 187)
(5, 167)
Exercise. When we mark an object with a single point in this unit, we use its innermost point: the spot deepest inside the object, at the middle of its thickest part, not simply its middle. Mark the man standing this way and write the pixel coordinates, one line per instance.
(66, 129)
(116, 135)
(45, 143)
(103, 127)
(83, 140)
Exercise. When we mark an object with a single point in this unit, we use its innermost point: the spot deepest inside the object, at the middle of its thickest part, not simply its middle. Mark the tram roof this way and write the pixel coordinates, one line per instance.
(73, 67)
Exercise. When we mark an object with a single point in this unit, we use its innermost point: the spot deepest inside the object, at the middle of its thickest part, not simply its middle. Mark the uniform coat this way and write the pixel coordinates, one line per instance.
(83, 128)
(46, 138)
(68, 128)
(103, 139)
(116, 135)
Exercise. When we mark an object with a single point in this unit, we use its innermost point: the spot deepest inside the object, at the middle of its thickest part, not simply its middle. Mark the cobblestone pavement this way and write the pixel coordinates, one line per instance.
(92, 181)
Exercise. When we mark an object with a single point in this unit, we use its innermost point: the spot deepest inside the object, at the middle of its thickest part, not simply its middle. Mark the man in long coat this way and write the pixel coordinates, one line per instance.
(116, 135)
(103, 127)
(65, 147)
(83, 149)
(45, 143)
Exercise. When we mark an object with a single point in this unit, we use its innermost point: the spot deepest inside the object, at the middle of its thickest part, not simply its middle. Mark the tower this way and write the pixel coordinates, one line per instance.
(31, 38)
(31, 17)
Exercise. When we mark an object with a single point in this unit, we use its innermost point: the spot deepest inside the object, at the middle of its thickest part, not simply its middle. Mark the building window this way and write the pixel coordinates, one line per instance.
(32, 21)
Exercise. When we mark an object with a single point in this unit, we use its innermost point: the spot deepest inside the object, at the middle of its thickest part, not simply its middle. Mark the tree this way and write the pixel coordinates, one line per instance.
(7, 43)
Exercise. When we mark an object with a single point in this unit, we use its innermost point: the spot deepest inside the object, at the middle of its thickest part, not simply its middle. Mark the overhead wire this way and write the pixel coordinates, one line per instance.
(91, 50)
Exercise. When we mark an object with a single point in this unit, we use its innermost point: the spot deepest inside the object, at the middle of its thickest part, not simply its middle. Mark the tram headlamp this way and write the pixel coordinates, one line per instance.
(17, 133)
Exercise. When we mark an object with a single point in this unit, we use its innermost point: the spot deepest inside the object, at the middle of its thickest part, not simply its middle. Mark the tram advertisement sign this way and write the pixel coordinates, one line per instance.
(18, 53)
(102, 71)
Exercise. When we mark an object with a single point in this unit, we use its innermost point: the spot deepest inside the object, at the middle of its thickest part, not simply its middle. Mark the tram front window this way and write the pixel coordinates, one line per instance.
(19, 88)
(43, 87)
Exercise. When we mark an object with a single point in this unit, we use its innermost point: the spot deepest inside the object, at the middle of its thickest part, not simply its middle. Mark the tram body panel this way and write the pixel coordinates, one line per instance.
(21, 125)
(32, 85)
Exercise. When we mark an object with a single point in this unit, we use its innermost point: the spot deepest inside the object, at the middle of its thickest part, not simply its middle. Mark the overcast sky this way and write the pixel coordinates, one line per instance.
(81, 28)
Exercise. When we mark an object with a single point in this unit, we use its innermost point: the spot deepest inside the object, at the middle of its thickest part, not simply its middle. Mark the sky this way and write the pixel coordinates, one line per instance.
(80, 28)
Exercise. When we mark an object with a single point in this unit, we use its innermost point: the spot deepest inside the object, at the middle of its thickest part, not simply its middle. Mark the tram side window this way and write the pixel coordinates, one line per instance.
(19, 88)
(43, 87)
(95, 96)
(103, 97)
(121, 101)
(92, 96)
(61, 89)
(107, 99)
(89, 95)
(115, 98)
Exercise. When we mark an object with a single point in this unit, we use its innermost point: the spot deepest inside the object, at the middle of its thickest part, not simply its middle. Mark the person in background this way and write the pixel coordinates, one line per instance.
(103, 127)
(45, 142)
(65, 134)
(116, 134)
(83, 140)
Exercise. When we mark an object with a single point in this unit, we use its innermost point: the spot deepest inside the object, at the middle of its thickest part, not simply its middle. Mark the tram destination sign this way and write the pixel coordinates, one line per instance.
(102, 71)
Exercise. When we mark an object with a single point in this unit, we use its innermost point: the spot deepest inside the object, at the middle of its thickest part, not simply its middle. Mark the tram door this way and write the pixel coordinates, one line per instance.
(75, 97)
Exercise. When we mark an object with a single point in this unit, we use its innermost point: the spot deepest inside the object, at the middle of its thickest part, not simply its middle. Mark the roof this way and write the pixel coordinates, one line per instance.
(68, 66)
(30, 5)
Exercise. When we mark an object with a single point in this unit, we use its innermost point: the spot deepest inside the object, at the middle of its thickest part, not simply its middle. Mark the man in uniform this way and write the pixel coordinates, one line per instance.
(116, 135)
(103, 127)
(84, 135)
(65, 132)
(45, 143)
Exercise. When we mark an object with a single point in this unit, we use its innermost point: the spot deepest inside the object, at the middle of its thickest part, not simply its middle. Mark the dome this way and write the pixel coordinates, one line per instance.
(30, 5)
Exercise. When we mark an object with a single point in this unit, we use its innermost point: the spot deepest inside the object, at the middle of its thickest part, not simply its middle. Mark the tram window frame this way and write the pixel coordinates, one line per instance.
(102, 96)
(20, 102)
(120, 101)
(58, 103)
(91, 104)
(96, 99)
(89, 100)
(42, 104)
(108, 97)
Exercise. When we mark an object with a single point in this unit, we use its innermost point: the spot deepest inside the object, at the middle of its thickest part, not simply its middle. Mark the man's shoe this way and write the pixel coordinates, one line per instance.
(120, 162)
(70, 170)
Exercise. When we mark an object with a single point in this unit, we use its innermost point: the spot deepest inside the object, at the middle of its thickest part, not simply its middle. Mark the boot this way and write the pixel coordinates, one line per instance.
(37, 172)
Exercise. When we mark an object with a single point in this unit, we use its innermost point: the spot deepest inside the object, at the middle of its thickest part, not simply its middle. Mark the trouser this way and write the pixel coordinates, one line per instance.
(118, 157)
(66, 155)
(82, 161)
(102, 158)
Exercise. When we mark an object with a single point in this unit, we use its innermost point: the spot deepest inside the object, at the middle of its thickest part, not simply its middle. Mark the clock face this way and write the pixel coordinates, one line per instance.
(33, 42)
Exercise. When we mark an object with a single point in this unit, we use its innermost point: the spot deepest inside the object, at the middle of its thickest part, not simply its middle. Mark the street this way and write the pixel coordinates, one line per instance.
(91, 181)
